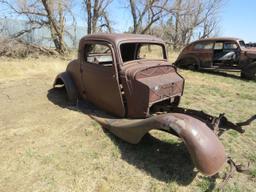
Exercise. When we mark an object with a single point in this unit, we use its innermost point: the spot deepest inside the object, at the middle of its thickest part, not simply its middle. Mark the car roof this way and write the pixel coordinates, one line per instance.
(116, 38)
(218, 39)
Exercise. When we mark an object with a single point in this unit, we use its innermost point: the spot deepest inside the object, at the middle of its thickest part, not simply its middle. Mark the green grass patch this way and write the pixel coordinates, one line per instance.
(253, 172)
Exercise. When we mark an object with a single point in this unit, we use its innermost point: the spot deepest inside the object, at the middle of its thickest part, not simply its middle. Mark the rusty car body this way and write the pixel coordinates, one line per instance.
(219, 54)
(129, 77)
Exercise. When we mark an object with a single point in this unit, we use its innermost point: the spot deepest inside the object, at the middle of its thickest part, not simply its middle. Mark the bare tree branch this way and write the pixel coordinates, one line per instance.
(189, 17)
(43, 13)
(97, 11)
(146, 13)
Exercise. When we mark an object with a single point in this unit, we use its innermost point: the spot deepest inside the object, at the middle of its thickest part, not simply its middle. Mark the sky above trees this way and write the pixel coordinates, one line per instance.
(237, 17)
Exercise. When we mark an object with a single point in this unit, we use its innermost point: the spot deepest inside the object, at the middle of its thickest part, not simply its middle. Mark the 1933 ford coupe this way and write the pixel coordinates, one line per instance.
(129, 77)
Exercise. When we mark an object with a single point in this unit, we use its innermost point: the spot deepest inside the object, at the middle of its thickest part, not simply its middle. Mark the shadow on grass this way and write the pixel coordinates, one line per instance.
(165, 161)
(222, 74)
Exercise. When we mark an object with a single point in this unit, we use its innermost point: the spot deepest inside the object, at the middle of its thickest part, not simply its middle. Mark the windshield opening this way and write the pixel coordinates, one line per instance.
(242, 43)
(138, 51)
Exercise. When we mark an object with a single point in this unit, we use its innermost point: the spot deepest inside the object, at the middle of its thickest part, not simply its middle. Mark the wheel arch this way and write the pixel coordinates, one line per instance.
(188, 57)
(66, 80)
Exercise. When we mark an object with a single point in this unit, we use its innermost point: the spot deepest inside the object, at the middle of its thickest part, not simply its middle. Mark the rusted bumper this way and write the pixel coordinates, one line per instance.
(205, 149)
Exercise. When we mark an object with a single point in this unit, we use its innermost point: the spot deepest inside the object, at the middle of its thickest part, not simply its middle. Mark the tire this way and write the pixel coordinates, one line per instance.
(243, 75)
(179, 64)
(188, 63)
(249, 73)
(248, 76)
(192, 64)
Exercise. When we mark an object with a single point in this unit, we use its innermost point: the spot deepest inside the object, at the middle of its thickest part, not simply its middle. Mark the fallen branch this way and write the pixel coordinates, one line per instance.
(15, 47)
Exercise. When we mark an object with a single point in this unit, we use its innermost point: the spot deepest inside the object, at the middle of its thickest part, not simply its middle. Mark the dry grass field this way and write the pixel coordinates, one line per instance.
(47, 145)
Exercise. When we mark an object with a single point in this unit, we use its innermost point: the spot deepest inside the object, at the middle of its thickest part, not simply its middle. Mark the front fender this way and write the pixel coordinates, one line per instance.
(249, 70)
(205, 149)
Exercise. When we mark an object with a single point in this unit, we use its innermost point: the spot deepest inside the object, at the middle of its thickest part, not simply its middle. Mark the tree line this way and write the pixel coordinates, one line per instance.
(176, 21)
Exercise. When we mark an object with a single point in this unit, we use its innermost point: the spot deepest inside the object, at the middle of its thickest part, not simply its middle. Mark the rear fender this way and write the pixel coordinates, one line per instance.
(205, 149)
(66, 80)
(182, 60)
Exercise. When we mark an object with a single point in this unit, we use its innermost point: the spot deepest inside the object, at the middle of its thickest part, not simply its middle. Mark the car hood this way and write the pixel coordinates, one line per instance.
(250, 52)
(250, 49)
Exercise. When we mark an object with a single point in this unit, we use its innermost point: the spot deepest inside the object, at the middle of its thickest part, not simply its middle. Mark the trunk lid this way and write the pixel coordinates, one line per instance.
(149, 82)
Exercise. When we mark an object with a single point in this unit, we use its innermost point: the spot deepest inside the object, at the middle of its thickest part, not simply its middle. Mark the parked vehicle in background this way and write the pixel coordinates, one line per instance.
(219, 53)
(251, 44)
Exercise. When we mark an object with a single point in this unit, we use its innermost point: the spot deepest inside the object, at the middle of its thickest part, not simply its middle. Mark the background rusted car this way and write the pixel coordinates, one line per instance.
(129, 77)
(219, 53)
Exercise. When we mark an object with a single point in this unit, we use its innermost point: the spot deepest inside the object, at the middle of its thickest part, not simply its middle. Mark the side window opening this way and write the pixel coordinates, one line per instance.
(208, 46)
(230, 46)
(218, 46)
(242, 43)
(199, 46)
(204, 45)
(99, 54)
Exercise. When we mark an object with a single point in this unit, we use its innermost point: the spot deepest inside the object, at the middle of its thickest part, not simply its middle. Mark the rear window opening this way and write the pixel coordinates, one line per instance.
(137, 51)
(98, 54)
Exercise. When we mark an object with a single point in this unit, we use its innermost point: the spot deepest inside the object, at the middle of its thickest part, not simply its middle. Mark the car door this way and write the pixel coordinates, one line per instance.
(100, 78)
(232, 53)
(226, 54)
(204, 51)
(218, 53)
